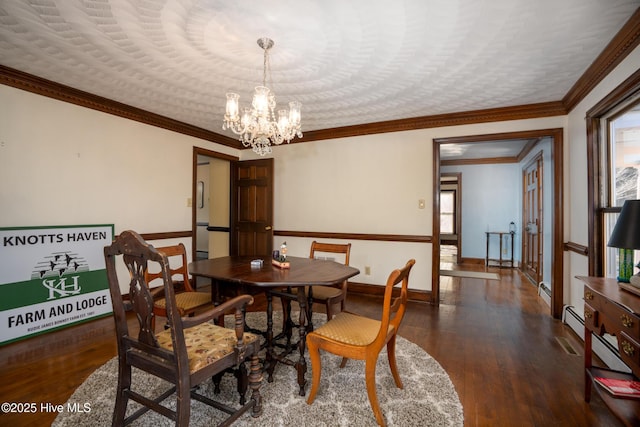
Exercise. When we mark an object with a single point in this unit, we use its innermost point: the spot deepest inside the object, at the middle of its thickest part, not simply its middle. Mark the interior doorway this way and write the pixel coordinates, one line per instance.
(211, 203)
(232, 205)
(450, 219)
(554, 137)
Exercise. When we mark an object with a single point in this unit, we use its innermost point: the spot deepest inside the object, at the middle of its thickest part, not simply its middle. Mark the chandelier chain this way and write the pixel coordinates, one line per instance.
(265, 67)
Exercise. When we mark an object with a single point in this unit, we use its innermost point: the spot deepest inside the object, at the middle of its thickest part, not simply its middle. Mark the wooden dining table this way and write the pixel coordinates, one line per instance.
(233, 275)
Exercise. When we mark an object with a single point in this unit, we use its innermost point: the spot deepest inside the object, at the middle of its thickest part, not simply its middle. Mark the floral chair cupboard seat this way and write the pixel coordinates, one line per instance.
(188, 352)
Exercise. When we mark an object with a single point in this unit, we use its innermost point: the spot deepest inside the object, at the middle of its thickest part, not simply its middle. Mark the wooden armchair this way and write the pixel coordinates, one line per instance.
(186, 354)
(356, 337)
(188, 300)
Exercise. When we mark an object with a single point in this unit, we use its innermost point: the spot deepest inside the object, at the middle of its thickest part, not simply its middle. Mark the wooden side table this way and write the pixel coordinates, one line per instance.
(501, 261)
(613, 310)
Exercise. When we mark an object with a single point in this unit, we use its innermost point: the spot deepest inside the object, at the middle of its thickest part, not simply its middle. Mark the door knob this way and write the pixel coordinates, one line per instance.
(267, 228)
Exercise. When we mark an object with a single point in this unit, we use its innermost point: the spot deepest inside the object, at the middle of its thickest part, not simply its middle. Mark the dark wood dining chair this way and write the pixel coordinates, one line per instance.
(189, 352)
(329, 296)
(188, 300)
(357, 337)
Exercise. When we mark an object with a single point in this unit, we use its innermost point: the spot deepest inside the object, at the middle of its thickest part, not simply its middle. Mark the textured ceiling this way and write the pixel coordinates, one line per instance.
(348, 62)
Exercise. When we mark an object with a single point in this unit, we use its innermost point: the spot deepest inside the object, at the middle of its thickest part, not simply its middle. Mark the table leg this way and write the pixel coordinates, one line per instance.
(486, 259)
(587, 364)
(270, 362)
(310, 310)
(287, 323)
(301, 365)
(216, 300)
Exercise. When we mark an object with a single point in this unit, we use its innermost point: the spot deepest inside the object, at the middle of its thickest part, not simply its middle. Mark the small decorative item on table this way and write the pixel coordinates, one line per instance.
(280, 257)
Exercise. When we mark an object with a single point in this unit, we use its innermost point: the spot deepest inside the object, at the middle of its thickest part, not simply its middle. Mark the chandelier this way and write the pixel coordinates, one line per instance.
(257, 125)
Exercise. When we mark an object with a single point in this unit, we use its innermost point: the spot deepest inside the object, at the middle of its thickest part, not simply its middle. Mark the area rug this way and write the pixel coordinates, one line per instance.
(428, 398)
(470, 274)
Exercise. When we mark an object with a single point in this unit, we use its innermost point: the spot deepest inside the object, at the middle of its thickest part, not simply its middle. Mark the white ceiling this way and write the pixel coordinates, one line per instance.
(348, 62)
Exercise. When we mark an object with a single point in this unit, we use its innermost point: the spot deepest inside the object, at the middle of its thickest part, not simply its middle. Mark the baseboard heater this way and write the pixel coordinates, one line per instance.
(604, 347)
(544, 292)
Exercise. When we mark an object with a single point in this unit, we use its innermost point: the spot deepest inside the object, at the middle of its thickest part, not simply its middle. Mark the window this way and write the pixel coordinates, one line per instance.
(613, 133)
(623, 166)
(625, 156)
(448, 212)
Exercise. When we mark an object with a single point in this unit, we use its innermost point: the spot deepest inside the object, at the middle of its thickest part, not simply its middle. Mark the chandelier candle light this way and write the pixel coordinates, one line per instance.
(257, 126)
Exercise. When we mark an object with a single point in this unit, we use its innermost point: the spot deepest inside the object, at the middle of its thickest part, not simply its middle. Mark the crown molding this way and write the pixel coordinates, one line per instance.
(48, 88)
(518, 112)
(624, 42)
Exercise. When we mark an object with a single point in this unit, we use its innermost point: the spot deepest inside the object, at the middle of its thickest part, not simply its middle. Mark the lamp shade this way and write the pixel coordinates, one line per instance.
(626, 233)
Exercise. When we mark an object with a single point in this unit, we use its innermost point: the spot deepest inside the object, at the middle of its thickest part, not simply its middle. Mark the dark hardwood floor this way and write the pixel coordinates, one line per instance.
(494, 338)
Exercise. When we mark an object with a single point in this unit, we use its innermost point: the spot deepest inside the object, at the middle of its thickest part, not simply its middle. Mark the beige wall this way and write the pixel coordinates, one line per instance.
(64, 164)
(369, 184)
(61, 164)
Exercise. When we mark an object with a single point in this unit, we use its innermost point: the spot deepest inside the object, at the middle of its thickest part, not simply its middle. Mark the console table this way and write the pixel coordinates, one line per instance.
(613, 310)
(500, 262)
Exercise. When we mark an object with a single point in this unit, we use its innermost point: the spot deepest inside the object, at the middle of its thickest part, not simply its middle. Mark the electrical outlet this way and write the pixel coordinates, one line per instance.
(367, 270)
(189, 202)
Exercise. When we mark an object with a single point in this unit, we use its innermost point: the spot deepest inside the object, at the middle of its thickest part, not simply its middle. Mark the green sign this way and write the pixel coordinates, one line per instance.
(52, 277)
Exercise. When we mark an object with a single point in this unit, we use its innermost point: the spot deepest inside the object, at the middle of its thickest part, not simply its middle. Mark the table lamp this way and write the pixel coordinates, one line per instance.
(626, 237)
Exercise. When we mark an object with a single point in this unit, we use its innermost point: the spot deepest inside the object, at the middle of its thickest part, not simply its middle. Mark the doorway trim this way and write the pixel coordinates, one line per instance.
(557, 246)
(198, 151)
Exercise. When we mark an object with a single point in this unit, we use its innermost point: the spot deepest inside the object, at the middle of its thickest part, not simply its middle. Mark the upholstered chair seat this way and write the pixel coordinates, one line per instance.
(352, 329)
(206, 343)
(187, 302)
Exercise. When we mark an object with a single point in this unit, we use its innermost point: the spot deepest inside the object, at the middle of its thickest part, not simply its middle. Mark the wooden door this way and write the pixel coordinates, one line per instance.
(532, 247)
(252, 208)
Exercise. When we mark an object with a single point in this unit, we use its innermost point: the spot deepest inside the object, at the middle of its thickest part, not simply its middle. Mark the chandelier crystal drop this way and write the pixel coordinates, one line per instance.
(257, 125)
